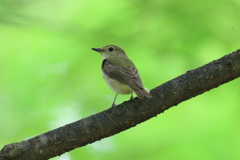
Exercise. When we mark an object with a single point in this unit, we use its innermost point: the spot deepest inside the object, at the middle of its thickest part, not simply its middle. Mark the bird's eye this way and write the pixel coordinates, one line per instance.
(110, 49)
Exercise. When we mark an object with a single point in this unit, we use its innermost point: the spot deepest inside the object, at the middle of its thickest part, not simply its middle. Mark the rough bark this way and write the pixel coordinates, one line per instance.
(127, 114)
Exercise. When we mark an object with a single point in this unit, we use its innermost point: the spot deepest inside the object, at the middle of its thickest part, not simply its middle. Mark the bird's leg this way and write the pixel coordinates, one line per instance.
(113, 104)
(131, 96)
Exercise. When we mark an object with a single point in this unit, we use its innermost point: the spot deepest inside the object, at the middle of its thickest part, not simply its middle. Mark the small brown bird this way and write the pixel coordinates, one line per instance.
(120, 73)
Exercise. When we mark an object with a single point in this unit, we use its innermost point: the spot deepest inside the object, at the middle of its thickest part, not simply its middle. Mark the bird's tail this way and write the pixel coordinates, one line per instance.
(143, 93)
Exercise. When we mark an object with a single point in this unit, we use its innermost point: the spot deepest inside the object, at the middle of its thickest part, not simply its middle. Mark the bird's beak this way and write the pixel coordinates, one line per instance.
(98, 49)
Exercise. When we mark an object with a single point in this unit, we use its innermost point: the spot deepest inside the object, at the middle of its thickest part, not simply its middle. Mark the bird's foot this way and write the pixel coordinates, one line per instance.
(131, 98)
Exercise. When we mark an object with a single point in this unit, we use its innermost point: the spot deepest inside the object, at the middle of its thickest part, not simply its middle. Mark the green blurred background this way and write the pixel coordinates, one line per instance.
(50, 76)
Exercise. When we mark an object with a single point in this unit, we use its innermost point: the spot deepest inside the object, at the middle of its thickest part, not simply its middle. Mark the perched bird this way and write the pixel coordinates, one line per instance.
(120, 73)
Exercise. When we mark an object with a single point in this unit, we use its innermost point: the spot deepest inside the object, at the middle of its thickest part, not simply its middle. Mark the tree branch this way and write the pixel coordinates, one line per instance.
(127, 114)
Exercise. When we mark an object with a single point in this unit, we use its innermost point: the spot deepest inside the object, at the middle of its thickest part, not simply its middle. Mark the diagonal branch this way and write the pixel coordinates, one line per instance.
(127, 114)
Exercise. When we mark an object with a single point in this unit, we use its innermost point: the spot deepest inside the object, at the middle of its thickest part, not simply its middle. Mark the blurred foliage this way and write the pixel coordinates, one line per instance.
(51, 77)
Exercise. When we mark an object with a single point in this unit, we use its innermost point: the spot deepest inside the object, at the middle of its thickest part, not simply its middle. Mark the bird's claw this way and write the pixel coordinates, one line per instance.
(113, 105)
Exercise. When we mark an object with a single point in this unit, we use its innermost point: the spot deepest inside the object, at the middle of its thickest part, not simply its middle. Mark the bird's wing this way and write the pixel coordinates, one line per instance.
(123, 70)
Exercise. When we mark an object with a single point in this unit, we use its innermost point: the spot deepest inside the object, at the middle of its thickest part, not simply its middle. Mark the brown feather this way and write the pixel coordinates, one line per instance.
(127, 74)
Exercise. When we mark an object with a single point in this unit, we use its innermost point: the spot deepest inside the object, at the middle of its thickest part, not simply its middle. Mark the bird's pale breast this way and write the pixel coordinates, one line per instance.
(116, 86)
